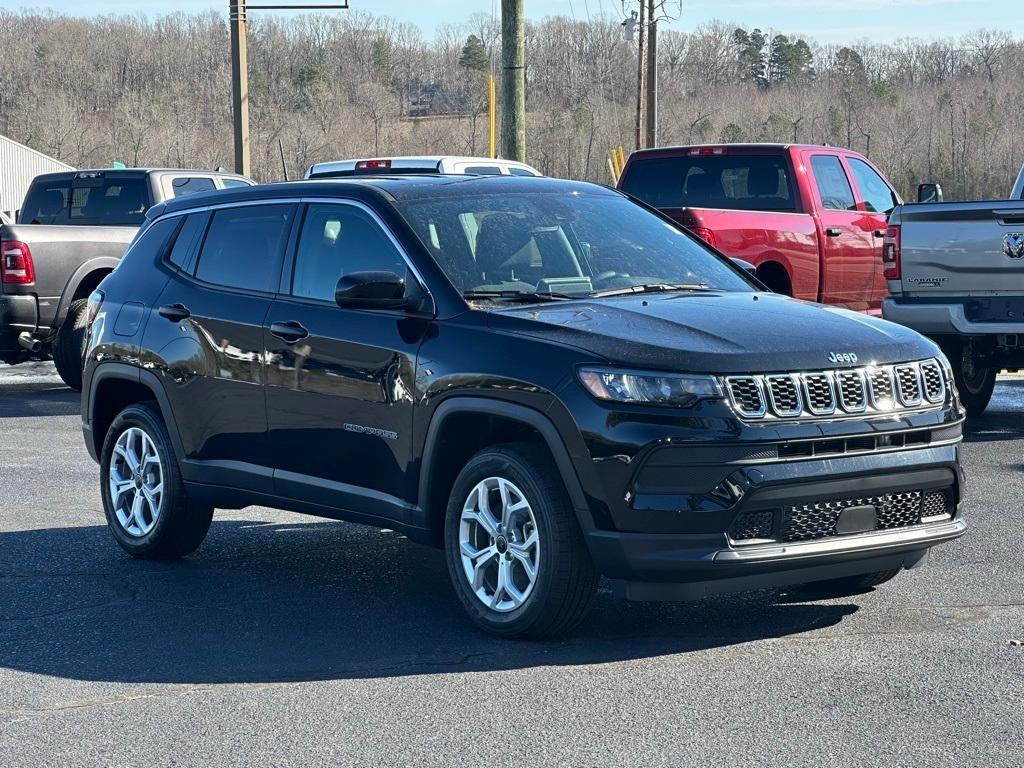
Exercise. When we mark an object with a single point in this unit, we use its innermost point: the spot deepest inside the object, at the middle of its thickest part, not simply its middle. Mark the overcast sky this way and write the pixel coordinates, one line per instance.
(825, 20)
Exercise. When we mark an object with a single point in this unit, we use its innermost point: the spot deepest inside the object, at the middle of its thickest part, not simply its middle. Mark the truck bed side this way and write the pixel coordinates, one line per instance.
(62, 257)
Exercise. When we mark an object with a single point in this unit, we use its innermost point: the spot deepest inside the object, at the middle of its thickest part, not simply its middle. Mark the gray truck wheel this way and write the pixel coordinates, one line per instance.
(69, 345)
(973, 382)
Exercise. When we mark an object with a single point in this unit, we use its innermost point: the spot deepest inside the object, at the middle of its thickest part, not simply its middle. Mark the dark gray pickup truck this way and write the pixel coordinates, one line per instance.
(70, 234)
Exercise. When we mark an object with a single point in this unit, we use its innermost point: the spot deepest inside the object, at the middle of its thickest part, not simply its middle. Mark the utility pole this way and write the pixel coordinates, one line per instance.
(641, 76)
(237, 11)
(239, 85)
(513, 80)
(651, 139)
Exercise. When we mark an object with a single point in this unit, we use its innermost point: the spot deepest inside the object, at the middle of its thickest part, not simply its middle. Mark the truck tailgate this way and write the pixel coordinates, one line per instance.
(961, 249)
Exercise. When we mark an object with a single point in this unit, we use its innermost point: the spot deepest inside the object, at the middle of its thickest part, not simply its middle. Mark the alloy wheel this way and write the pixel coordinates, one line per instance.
(499, 544)
(136, 482)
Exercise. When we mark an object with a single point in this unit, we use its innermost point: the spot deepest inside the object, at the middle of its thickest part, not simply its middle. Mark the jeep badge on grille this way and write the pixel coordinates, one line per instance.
(842, 357)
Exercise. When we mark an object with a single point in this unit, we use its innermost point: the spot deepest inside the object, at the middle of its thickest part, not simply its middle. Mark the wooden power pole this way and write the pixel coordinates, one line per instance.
(239, 85)
(513, 80)
(240, 70)
(651, 96)
(641, 76)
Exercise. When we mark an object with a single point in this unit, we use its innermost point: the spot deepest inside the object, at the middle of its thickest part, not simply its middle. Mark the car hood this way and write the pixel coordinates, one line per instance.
(714, 332)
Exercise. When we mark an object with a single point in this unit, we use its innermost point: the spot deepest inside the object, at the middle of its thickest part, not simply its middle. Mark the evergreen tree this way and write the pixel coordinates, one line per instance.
(474, 55)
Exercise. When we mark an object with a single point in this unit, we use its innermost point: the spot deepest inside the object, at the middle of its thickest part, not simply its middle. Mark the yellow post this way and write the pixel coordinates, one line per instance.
(491, 149)
(611, 170)
(622, 159)
(616, 169)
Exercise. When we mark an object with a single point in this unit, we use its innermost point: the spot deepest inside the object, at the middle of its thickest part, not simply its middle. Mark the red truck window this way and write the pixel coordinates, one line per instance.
(877, 196)
(833, 187)
(736, 182)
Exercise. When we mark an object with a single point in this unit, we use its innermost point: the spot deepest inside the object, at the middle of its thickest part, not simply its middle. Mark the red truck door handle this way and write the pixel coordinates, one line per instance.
(879, 233)
(833, 231)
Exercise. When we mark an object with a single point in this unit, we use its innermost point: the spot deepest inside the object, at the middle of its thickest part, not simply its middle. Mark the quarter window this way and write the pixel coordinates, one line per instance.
(190, 232)
(833, 187)
(338, 240)
(190, 185)
(243, 247)
(876, 194)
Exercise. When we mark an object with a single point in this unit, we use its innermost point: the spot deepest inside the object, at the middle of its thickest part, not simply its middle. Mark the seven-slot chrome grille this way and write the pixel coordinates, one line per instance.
(843, 392)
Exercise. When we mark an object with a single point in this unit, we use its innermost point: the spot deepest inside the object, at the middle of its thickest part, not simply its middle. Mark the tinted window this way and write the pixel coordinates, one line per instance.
(833, 186)
(559, 243)
(46, 204)
(232, 183)
(243, 247)
(741, 182)
(482, 170)
(150, 242)
(521, 172)
(190, 232)
(189, 185)
(876, 194)
(112, 202)
(337, 240)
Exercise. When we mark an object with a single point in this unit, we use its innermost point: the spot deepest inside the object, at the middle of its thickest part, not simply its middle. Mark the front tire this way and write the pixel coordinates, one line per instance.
(144, 499)
(69, 345)
(515, 552)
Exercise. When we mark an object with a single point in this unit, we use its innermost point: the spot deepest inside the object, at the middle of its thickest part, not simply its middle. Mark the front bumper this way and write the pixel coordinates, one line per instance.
(946, 319)
(703, 554)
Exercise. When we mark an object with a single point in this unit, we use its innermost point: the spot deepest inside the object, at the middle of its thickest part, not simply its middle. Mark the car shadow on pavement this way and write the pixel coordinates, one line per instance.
(42, 399)
(271, 602)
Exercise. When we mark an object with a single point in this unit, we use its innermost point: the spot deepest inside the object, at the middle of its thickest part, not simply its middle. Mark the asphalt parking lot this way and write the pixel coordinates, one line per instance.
(288, 640)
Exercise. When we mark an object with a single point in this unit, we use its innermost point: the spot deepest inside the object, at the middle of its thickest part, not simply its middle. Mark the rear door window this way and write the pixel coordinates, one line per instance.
(243, 247)
(875, 193)
(737, 182)
(834, 188)
(231, 183)
(109, 202)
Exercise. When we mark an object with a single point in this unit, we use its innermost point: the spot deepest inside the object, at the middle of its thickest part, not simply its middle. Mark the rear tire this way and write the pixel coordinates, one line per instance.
(848, 585)
(529, 525)
(144, 499)
(974, 383)
(69, 345)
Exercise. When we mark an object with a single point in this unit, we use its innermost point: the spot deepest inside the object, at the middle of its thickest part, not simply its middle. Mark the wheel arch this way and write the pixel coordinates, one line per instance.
(445, 451)
(114, 386)
(83, 282)
(776, 276)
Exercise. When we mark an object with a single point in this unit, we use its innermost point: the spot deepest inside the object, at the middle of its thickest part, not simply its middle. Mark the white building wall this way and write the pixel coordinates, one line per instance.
(18, 166)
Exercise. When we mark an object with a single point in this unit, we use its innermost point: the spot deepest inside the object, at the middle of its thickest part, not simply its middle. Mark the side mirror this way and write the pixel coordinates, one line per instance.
(373, 290)
(929, 193)
(747, 267)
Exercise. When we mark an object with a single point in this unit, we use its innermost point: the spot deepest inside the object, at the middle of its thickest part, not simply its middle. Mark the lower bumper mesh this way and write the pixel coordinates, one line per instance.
(818, 520)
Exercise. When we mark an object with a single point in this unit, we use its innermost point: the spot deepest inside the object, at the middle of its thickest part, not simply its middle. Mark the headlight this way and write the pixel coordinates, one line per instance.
(641, 387)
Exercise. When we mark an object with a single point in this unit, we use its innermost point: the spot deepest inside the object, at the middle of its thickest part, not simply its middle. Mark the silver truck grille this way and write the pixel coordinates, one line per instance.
(844, 392)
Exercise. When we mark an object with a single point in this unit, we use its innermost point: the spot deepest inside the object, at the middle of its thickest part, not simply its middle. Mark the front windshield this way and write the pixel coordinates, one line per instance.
(568, 244)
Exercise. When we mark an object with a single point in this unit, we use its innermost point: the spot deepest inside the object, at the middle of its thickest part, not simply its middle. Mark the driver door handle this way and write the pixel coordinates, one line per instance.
(833, 231)
(289, 331)
(879, 233)
(174, 312)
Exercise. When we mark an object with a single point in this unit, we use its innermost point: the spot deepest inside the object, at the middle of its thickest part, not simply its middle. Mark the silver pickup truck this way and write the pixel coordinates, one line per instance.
(956, 273)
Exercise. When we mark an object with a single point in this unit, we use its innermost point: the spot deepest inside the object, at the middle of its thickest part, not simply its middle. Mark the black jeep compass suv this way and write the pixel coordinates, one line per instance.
(545, 378)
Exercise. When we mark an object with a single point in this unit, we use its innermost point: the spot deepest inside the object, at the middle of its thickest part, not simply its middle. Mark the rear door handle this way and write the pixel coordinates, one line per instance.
(289, 332)
(879, 233)
(175, 312)
(833, 231)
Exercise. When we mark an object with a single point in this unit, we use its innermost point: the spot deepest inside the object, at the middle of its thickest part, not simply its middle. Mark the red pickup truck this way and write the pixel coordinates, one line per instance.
(811, 218)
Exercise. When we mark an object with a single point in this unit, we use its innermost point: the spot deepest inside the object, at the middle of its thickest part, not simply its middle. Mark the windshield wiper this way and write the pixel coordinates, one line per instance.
(524, 296)
(652, 288)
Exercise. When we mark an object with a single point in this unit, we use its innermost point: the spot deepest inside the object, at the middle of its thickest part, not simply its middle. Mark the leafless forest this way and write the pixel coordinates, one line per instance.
(157, 91)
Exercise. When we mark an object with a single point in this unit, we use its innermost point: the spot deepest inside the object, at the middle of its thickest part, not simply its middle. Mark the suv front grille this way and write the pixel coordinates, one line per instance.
(847, 391)
(817, 520)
